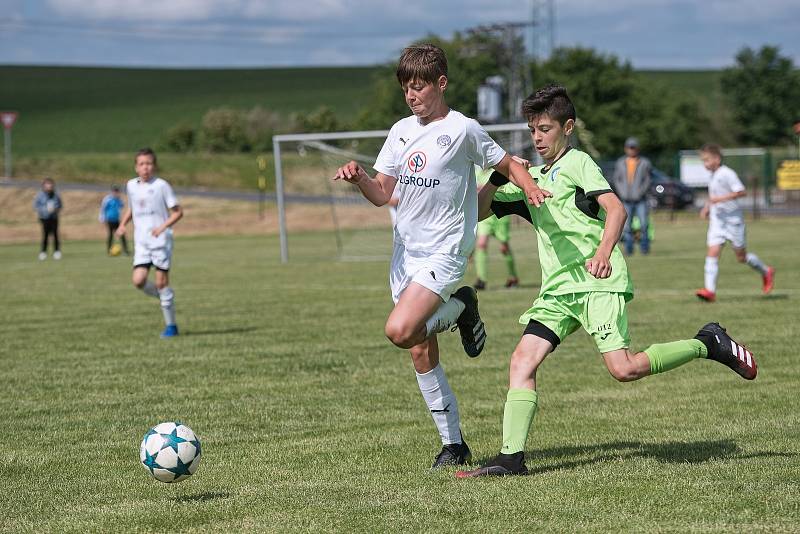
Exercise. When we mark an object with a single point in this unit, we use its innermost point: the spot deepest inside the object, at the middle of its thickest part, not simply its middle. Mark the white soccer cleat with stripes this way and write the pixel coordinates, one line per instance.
(724, 349)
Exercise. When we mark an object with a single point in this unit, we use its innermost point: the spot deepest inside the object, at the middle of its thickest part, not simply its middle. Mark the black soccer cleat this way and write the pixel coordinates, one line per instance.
(722, 348)
(452, 454)
(502, 465)
(479, 285)
(469, 323)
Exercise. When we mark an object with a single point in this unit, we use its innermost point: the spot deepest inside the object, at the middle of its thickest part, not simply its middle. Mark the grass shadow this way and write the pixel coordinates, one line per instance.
(203, 497)
(233, 330)
(559, 458)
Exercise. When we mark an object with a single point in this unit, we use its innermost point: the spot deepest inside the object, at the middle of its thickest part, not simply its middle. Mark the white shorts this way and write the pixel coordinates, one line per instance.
(156, 252)
(441, 273)
(721, 230)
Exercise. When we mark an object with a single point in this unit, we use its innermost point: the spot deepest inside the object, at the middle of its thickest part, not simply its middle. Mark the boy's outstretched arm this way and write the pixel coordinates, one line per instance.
(377, 191)
(599, 266)
(517, 174)
(485, 197)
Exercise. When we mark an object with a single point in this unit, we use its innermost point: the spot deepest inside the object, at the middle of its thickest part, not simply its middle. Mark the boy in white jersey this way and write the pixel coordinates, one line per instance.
(154, 209)
(431, 156)
(726, 223)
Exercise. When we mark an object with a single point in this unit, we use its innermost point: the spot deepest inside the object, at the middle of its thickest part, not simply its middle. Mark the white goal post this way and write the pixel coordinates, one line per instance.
(521, 144)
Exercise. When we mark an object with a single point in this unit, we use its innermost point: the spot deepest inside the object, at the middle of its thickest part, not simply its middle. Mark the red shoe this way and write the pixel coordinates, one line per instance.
(706, 295)
(769, 280)
(512, 282)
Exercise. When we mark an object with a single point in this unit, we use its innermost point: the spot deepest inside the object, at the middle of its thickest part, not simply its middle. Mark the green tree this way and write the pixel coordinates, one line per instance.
(614, 104)
(763, 92)
(471, 58)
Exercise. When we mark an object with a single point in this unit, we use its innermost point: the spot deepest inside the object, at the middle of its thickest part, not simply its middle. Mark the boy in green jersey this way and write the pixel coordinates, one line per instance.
(501, 230)
(585, 281)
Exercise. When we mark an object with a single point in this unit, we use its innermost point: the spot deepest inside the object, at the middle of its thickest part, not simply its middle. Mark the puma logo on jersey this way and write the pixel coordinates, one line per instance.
(433, 275)
(402, 140)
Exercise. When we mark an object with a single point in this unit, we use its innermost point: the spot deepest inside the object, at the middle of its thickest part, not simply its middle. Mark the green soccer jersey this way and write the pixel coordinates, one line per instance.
(569, 226)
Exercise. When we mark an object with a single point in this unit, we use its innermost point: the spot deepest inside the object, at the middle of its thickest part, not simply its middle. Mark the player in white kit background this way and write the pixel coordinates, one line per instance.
(430, 158)
(154, 208)
(726, 223)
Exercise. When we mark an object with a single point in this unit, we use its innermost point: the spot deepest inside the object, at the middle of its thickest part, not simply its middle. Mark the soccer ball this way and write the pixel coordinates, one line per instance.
(170, 452)
(115, 250)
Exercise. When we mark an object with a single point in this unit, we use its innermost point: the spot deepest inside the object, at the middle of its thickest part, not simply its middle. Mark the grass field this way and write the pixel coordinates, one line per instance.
(312, 421)
(70, 109)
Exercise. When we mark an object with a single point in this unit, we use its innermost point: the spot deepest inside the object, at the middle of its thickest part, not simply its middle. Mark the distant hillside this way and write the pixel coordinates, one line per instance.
(102, 110)
(65, 109)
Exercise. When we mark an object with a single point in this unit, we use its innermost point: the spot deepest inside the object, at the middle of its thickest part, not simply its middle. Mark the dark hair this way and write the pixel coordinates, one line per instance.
(425, 62)
(712, 148)
(115, 188)
(146, 151)
(48, 180)
(552, 100)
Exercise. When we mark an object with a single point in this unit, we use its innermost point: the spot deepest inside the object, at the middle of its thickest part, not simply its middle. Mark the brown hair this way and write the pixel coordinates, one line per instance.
(424, 62)
(552, 100)
(147, 151)
(712, 148)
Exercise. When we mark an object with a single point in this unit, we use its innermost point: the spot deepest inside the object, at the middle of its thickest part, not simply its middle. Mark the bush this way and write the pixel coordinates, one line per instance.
(223, 130)
(322, 119)
(179, 138)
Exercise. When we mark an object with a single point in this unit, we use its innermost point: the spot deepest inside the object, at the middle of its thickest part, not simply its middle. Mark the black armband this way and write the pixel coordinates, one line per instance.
(497, 179)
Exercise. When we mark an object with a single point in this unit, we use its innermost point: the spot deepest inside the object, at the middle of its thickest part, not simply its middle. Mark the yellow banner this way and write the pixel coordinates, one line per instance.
(789, 174)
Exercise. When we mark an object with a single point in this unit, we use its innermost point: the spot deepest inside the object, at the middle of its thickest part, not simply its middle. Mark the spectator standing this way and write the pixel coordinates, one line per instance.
(631, 182)
(47, 204)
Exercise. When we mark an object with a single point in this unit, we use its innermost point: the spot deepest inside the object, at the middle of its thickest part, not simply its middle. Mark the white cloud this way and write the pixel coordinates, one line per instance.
(153, 10)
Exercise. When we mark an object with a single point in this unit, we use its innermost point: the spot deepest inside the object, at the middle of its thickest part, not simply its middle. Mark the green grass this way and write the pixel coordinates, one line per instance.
(70, 109)
(312, 421)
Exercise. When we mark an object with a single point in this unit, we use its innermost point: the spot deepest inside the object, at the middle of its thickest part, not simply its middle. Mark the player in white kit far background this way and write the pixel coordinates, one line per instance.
(428, 160)
(154, 208)
(726, 223)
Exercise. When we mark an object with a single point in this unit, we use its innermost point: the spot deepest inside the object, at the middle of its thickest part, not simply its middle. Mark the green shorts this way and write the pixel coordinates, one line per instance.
(499, 228)
(600, 313)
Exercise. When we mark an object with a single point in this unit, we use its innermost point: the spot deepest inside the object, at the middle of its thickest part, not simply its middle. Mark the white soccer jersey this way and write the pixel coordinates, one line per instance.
(150, 204)
(723, 182)
(434, 167)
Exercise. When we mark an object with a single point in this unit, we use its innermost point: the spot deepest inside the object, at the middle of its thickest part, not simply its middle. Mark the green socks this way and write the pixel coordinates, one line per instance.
(512, 268)
(481, 264)
(517, 419)
(667, 356)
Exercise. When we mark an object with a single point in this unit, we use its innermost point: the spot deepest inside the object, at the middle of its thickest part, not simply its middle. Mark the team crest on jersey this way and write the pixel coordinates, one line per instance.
(554, 174)
(443, 141)
(417, 161)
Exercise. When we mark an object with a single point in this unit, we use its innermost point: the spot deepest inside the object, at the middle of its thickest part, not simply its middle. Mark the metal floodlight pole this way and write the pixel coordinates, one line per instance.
(276, 150)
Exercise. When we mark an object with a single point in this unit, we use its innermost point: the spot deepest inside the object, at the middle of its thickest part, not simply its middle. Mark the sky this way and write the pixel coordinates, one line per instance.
(651, 34)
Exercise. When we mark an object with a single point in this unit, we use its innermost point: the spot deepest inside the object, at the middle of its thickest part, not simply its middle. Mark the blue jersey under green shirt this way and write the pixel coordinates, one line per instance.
(569, 226)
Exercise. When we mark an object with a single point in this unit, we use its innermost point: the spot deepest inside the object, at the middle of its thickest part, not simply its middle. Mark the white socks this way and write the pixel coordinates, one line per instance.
(167, 297)
(149, 289)
(442, 403)
(711, 272)
(755, 263)
(444, 317)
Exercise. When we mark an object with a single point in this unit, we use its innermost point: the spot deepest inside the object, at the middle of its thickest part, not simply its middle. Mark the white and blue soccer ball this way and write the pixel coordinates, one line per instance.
(170, 452)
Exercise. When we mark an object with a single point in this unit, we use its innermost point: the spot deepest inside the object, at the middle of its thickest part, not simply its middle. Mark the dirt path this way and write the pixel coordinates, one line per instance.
(202, 216)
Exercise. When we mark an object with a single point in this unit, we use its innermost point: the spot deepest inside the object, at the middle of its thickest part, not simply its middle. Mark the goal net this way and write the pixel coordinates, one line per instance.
(312, 206)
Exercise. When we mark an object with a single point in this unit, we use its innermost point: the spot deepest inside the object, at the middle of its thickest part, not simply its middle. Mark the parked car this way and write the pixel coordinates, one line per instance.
(665, 191)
